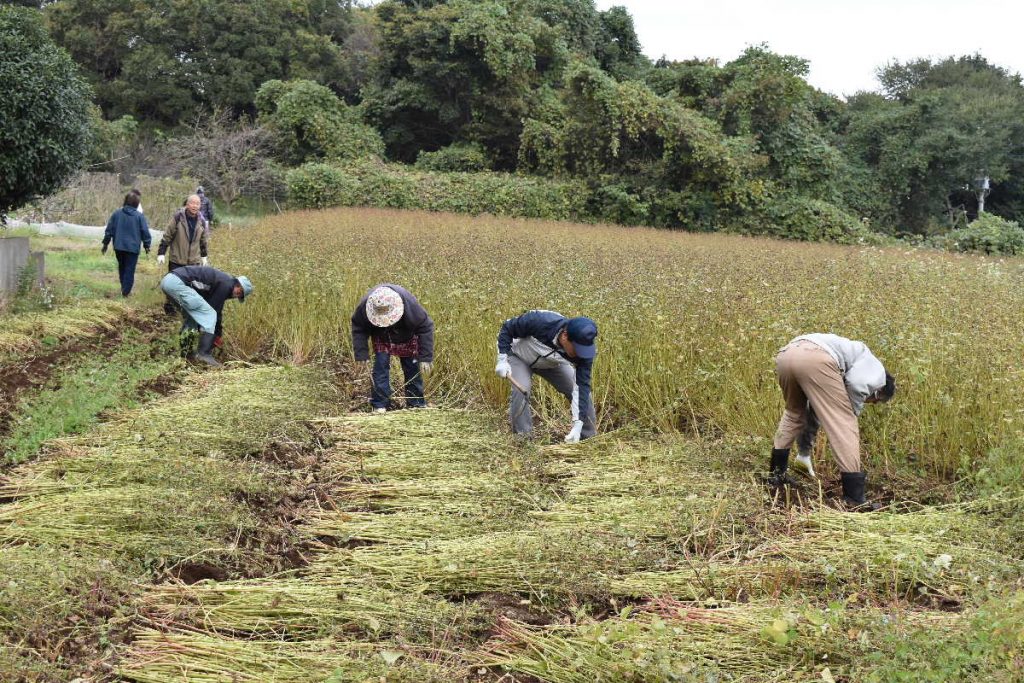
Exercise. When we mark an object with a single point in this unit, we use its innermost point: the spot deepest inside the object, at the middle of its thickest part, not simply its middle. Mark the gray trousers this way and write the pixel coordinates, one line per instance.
(561, 376)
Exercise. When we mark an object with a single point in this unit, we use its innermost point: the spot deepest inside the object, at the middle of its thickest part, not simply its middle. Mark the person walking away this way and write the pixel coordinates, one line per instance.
(205, 207)
(129, 231)
(559, 349)
(201, 292)
(185, 241)
(828, 379)
(398, 325)
(137, 191)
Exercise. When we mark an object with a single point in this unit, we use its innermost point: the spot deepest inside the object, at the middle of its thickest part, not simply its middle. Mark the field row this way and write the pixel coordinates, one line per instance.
(450, 553)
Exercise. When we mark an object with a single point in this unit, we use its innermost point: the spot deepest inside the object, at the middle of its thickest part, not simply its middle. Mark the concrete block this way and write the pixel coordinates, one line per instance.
(14, 255)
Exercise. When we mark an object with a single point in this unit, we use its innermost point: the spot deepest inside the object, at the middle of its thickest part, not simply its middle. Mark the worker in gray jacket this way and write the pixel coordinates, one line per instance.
(828, 379)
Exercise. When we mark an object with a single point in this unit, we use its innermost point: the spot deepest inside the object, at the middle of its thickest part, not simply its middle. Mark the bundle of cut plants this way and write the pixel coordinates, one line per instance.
(309, 607)
(173, 657)
(30, 331)
(417, 443)
(552, 565)
(667, 641)
(945, 552)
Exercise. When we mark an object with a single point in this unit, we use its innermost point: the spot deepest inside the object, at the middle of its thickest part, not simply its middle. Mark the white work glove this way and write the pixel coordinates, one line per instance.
(503, 369)
(205, 261)
(425, 368)
(160, 259)
(574, 434)
(803, 463)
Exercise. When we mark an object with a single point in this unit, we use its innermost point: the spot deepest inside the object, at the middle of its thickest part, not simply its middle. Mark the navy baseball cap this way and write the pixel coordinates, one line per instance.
(583, 333)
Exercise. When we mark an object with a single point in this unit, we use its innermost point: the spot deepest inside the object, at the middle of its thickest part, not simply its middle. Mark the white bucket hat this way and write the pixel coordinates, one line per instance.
(384, 307)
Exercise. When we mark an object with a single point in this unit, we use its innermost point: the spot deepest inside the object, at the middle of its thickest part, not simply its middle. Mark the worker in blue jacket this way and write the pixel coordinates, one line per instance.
(129, 231)
(559, 349)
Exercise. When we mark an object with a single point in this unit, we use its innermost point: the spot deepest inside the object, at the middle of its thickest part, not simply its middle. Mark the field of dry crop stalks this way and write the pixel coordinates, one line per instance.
(688, 323)
(256, 525)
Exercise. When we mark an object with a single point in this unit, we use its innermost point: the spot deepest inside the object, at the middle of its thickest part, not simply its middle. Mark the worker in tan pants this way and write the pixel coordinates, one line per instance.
(833, 377)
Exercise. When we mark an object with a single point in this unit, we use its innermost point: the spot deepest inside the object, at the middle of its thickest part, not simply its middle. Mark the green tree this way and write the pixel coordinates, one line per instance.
(162, 60)
(937, 127)
(310, 122)
(471, 70)
(648, 158)
(45, 133)
(765, 96)
(618, 48)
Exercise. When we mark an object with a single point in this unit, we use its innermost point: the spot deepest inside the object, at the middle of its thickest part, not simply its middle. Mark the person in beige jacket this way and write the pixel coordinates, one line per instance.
(828, 379)
(185, 241)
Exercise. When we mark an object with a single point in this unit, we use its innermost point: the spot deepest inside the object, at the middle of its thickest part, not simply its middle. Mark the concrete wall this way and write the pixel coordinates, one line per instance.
(14, 258)
(14, 254)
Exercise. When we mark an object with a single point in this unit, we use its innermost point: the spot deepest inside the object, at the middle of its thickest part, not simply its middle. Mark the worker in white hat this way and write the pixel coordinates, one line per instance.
(398, 325)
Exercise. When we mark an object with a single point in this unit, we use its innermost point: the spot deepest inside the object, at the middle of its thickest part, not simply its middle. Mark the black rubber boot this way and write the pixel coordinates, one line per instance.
(206, 350)
(853, 491)
(777, 469)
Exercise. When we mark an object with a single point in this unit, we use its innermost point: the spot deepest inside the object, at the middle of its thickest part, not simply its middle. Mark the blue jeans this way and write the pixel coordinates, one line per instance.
(380, 395)
(126, 262)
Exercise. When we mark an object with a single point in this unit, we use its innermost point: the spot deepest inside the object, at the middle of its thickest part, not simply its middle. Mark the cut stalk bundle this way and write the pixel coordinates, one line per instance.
(749, 643)
(299, 607)
(947, 551)
(176, 657)
(26, 332)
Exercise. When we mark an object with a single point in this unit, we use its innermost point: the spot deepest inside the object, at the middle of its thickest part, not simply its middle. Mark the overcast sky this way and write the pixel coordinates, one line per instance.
(845, 40)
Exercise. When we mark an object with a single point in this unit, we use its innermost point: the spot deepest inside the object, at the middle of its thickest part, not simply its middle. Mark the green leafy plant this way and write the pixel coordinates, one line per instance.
(45, 126)
(988, 234)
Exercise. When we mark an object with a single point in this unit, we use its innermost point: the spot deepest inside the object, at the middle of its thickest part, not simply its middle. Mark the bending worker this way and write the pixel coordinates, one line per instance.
(559, 349)
(827, 378)
(399, 326)
(201, 291)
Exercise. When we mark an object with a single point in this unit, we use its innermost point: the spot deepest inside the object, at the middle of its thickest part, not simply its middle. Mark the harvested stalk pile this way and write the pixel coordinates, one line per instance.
(675, 641)
(445, 542)
(196, 658)
(190, 485)
(29, 332)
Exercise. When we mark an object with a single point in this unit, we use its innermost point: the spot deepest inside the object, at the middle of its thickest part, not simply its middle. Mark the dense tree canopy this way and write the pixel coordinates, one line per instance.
(164, 59)
(472, 70)
(560, 89)
(45, 130)
(938, 127)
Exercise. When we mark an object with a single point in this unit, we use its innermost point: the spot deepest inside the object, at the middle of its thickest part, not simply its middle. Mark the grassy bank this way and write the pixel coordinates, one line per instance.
(113, 375)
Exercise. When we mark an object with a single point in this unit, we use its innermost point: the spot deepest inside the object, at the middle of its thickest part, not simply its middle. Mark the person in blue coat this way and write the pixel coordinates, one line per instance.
(559, 349)
(129, 230)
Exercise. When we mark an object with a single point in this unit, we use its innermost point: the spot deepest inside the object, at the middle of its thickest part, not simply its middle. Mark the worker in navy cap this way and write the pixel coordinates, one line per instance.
(559, 349)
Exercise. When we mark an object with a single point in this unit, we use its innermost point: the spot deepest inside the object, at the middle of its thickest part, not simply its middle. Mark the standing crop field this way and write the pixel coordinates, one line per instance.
(688, 323)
